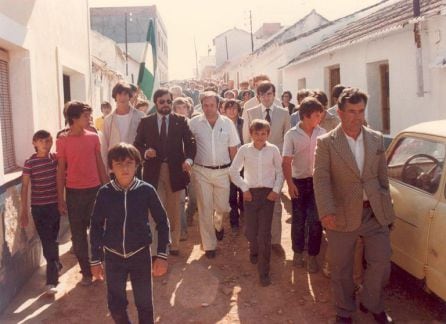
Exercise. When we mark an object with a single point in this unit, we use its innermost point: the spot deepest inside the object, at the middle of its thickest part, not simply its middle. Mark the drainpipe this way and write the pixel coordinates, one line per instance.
(419, 56)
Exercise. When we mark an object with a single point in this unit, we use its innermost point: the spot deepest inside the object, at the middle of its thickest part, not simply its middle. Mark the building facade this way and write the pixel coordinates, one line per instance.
(43, 63)
(128, 27)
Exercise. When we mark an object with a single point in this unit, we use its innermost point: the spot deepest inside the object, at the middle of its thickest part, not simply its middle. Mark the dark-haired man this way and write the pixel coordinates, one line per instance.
(353, 199)
(168, 148)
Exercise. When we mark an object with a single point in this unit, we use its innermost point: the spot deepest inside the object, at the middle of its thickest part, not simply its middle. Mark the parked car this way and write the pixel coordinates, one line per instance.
(417, 173)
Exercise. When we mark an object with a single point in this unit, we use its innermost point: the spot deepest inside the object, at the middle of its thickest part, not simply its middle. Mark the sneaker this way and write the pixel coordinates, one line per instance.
(312, 266)
(298, 260)
(220, 234)
(51, 290)
(86, 281)
(265, 280)
(210, 254)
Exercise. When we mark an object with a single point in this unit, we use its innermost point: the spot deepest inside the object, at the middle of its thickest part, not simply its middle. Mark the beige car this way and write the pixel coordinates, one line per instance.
(417, 173)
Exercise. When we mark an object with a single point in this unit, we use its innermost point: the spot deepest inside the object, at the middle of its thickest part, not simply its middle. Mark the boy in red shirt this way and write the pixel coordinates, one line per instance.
(80, 172)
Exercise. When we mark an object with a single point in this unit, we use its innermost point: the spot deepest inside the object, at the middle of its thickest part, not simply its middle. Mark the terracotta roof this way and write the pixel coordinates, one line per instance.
(392, 17)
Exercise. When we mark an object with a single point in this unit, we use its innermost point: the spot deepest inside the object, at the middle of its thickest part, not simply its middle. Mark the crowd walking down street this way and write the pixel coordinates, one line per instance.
(217, 208)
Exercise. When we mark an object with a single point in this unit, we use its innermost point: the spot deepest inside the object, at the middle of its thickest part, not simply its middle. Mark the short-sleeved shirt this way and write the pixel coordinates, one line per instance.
(213, 142)
(79, 153)
(301, 147)
(43, 173)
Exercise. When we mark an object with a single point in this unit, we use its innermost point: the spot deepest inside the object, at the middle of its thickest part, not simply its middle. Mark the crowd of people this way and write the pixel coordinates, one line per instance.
(204, 149)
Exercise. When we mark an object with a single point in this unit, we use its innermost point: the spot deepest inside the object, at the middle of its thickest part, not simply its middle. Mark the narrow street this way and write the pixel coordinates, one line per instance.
(222, 290)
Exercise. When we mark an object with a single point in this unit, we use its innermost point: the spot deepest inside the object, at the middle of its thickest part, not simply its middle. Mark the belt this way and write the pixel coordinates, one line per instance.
(218, 167)
(366, 204)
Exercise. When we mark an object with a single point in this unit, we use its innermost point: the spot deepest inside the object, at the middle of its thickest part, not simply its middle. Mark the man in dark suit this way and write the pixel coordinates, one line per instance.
(353, 200)
(168, 149)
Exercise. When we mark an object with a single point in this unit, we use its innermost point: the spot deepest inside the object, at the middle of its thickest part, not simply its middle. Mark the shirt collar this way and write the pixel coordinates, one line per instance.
(359, 139)
(160, 117)
(264, 107)
(117, 187)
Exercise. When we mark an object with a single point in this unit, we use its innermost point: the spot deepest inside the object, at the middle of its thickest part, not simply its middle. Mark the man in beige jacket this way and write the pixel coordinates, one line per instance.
(353, 200)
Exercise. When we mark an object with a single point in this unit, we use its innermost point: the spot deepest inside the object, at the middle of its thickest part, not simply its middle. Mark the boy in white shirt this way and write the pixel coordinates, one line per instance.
(261, 185)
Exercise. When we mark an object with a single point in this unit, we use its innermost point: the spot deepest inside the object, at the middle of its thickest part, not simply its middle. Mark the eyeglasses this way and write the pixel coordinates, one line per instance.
(162, 101)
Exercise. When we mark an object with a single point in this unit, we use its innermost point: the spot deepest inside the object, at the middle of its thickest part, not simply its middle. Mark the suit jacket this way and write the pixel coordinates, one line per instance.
(339, 186)
(280, 124)
(180, 146)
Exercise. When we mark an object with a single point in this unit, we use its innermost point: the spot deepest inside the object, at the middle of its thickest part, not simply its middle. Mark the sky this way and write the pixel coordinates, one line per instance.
(202, 20)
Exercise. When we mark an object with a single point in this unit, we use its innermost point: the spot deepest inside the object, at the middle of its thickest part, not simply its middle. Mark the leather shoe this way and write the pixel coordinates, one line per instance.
(265, 280)
(381, 318)
(253, 258)
(220, 234)
(210, 254)
(278, 250)
(343, 320)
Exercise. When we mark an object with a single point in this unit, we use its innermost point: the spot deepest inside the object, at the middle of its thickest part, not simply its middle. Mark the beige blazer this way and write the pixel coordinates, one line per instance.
(339, 186)
(280, 124)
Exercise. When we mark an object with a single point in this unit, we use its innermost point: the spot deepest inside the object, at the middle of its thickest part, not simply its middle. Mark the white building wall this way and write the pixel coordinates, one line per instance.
(40, 51)
(398, 49)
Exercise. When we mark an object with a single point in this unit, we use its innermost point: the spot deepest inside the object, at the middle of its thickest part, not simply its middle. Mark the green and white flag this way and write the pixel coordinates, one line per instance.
(147, 77)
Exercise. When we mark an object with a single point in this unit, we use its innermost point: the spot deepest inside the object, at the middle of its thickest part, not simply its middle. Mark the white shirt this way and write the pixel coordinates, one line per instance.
(301, 147)
(357, 148)
(264, 108)
(213, 142)
(263, 168)
(251, 103)
(159, 118)
(123, 122)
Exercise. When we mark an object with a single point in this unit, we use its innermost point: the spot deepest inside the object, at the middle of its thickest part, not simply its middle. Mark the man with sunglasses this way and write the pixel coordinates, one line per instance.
(168, 148)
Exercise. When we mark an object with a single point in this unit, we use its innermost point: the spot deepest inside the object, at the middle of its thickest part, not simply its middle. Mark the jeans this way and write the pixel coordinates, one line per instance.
(117, 269)
(80, 204)
(47, 220)
(258, 219)
(305, 212)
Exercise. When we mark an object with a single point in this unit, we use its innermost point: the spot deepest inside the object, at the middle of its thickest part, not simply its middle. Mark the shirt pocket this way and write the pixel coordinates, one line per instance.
(223, 137)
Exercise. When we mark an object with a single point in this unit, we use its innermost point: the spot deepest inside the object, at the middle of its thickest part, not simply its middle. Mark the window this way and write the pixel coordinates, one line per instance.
(418, 162)
(334, 78)
(6, 115)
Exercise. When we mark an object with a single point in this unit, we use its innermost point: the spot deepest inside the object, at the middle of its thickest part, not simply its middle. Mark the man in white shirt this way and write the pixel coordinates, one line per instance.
(298, 161)
(279, 119)
(353, 200)
(122, 123)
(217, 141)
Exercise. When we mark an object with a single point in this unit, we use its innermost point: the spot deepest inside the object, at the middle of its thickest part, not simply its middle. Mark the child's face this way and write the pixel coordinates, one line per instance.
(83, 121)
(124, 171)
(106, 110)
(259, 137)
(232, 112)
(43, 145)
(314, 119)
(181, 109)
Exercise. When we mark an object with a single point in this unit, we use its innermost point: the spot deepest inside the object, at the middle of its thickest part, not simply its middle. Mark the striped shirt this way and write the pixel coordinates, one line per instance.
(42, 173)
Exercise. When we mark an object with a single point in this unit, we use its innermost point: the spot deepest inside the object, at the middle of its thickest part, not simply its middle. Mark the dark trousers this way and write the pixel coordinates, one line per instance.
(258, 219)
(47, 220)
(305, 212)
(236, 204)
(117, 269)
(80, 204)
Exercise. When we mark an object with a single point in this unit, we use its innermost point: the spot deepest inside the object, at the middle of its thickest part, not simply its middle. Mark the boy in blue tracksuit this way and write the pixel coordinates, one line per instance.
(120, 235)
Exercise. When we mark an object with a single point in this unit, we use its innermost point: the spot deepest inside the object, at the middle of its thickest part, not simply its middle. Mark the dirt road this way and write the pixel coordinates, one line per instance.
(222, 290)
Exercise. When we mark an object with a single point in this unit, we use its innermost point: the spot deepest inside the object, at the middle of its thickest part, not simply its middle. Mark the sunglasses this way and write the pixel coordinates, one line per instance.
(162, 101)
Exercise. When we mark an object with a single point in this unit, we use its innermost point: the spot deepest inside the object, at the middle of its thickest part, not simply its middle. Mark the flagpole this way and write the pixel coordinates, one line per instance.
(126, 49)
(196, 59)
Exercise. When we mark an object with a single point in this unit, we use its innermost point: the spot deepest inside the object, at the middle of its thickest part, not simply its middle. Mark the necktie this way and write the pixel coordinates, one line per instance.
(268, 116)
(163, 139)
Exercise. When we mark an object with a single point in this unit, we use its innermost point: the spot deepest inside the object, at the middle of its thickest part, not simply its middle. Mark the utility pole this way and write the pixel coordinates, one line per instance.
(227, 52)
(196, 59)
(126, 49)
(252, 37)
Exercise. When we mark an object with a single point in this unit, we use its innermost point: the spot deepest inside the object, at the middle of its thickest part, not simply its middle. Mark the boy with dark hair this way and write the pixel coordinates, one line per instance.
(120, 231)
(261, 186)
(80, 172)
(40, 171)
(298, 160)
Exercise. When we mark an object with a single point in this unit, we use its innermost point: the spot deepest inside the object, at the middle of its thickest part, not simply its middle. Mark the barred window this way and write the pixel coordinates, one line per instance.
(6, 115)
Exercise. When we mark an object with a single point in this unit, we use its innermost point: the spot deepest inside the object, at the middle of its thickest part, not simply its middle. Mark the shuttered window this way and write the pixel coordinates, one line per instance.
(6, 115)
